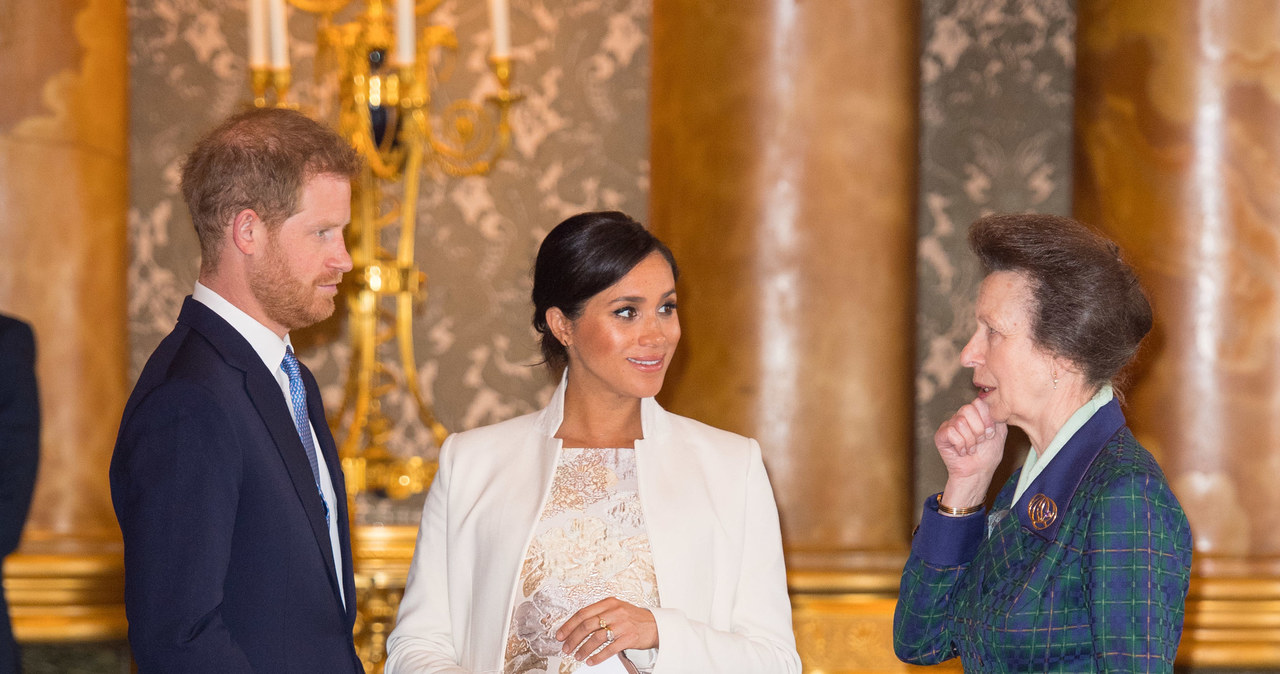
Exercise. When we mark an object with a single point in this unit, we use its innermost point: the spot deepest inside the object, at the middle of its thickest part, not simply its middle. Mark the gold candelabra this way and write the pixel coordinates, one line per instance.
(383, 70)
(384, 111)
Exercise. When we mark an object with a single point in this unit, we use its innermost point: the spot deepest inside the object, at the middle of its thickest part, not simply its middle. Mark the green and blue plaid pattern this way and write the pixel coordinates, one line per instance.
(1103, 591)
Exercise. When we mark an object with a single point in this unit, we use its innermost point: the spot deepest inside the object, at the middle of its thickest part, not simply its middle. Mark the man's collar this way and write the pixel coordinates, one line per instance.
(266, 343)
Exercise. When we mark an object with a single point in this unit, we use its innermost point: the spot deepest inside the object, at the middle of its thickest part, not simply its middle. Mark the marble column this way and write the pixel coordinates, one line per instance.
(783, 178)
(63, 195)
(1178, 157)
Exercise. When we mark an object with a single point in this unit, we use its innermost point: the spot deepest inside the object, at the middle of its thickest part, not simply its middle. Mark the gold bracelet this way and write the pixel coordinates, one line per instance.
(956, 512)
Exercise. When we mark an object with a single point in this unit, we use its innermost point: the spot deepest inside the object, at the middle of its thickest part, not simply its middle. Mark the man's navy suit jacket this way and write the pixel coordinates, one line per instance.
(19, 453)
(228, 566)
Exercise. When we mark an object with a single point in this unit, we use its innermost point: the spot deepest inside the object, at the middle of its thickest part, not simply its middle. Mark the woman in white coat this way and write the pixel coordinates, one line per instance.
(602, 533)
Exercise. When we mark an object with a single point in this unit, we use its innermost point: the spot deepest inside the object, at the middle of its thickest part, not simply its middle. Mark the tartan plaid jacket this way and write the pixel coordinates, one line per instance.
(1087, 572)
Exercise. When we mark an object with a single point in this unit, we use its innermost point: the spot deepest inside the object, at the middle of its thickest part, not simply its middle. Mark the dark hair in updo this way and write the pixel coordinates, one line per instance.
(1088, 305)
(581, 257)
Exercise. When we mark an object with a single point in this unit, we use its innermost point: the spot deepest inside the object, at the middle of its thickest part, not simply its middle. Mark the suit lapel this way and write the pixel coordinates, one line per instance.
(264, 392)
(266, 397)
(329, 450)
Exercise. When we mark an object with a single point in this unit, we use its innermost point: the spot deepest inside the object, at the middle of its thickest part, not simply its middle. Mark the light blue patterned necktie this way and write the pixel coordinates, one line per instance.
(298, 396)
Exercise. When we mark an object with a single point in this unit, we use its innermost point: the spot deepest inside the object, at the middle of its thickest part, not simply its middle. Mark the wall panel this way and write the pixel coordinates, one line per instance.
(1178, 139)
(62, 268)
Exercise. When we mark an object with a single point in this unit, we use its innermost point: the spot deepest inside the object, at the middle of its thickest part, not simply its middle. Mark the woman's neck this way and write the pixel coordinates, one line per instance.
(590, 421)
(1055, 415)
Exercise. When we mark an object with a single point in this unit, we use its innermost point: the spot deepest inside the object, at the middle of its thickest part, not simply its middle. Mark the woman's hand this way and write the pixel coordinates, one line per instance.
(971, 444)
(629, 625)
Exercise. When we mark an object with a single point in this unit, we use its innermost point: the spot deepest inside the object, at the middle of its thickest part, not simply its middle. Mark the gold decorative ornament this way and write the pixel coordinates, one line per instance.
(1042, 511)
(382, 64)
(382, 67)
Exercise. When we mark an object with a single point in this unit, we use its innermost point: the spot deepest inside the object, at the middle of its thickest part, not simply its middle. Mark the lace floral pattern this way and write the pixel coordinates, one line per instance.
(590, 544)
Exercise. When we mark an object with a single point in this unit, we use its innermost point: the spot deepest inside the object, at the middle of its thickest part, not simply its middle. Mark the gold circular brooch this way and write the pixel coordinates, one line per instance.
(1042, 511)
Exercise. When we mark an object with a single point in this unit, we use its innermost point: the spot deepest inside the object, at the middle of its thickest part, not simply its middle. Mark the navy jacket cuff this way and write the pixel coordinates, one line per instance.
(942, 540)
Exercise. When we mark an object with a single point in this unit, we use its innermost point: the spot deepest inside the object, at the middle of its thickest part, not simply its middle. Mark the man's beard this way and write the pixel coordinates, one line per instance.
(285, 299)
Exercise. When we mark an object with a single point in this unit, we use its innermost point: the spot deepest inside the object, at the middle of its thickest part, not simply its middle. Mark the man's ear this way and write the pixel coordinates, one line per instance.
(560, 325)
(248, 232)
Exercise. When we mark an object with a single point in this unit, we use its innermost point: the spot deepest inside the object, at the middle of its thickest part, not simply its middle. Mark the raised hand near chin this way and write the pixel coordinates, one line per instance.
(971, 444)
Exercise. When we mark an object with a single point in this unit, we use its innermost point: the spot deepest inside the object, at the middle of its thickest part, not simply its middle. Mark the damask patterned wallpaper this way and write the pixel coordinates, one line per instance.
(995, 136)
(580, 143)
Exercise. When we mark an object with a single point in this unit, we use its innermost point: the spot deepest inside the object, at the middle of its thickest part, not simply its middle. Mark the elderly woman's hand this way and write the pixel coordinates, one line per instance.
(970, 444)
(629, 626)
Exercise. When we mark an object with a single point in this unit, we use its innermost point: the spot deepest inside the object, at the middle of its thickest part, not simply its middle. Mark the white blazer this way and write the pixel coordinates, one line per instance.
(713, 531)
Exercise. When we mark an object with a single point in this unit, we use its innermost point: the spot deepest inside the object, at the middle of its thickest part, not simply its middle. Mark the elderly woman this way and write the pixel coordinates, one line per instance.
(603, 532)
(1083, 563)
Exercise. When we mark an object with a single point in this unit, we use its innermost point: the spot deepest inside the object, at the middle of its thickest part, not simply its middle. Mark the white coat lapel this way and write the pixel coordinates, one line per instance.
(522, 481)
(671, 486)
(523, 499)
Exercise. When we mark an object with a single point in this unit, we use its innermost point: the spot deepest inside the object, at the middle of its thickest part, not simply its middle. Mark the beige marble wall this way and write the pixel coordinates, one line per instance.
(1185, 101)
(62, 247)
(63, 195)
(581, 143)
(784, 174)
(1177, 125)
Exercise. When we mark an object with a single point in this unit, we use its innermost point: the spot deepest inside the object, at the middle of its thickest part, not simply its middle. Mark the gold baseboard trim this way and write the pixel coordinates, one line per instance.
(875, 582)
(381, 557)
(379, 547)
(844, 623)
(69, 624)
(843, 619)
(849, 634)
(1232, 622)
(66, 597)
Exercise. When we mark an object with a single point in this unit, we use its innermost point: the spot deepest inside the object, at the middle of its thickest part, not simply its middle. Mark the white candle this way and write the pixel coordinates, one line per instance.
(406, 27)
(498, 16)
(257, 33)
(279, 22)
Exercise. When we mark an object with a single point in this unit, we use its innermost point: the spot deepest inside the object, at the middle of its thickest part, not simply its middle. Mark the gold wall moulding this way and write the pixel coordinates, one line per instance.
(844, 623)
(1232, 622)
(66, 597)
(843, 620)
(381, 556)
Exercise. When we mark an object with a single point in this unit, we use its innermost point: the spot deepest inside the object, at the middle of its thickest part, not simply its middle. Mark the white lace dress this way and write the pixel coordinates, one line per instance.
(590, 544)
